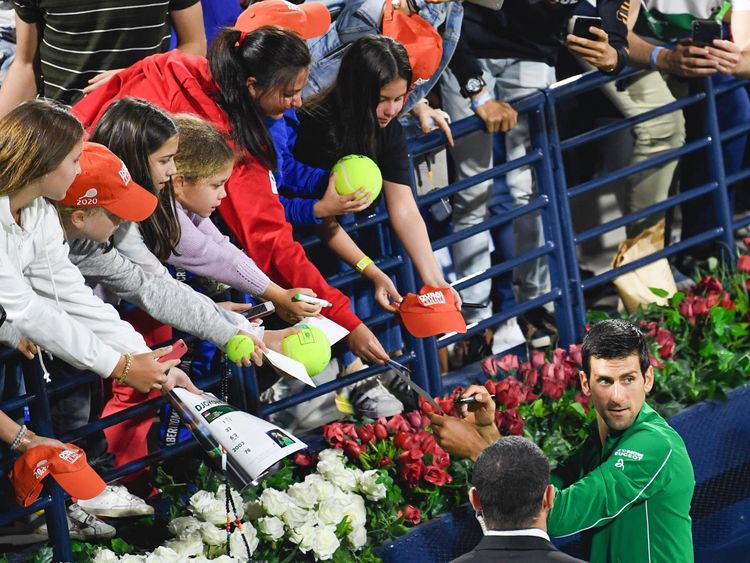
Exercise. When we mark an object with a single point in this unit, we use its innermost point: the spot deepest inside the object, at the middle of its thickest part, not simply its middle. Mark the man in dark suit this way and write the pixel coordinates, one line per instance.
(513, 496)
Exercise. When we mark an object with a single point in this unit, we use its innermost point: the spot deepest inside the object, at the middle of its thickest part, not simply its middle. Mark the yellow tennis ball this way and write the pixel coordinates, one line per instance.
(356, 171)
(239, 346)
(310, 347)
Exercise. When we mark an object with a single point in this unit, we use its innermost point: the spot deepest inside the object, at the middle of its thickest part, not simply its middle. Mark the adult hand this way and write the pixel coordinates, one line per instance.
(272, 338)
(178, 378)
(482, 411)
(27, 348)
(40, 441)
(725, 54)
(294, 311)
(257, 356)
(497, 116)
(146, 372)
(431, 118)
(332, 204)
(597, 52)
(363, 343)
(689, 60)
(100, 79)
(457, 436)
(385, 292)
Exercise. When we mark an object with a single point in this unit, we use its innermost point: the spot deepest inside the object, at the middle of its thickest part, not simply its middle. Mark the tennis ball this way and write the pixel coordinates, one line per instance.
(356, 171)
(310, 347)
(239, 346)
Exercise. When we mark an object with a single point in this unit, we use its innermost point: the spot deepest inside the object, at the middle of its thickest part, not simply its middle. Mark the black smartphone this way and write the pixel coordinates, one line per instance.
(2, 315)
(705, 31)
(261, 310)
(579, 26)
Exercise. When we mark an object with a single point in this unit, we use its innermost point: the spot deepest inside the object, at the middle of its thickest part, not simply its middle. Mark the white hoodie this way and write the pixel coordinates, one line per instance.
(46, 298)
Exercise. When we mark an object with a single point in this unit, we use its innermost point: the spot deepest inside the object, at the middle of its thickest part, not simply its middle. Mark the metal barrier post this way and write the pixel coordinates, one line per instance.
(574, 289)
(716, 167)
(56, 514)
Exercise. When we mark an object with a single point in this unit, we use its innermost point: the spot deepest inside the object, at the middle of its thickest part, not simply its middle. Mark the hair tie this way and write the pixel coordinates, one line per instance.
(239, 41)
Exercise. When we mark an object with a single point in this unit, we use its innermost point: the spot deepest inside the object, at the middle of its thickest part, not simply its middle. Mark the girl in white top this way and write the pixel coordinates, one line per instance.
(44, 295)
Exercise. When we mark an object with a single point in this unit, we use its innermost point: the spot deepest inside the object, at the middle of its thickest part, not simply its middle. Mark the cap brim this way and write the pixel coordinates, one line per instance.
(318, 19)
(135, 204)
(427, 324)
(82, 484)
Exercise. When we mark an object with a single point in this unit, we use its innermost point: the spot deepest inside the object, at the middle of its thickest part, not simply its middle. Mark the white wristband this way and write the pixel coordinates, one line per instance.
(654, 55)
(481, 99)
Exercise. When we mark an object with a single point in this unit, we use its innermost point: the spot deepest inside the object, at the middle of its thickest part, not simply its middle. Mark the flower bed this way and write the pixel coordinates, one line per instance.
(379, 478)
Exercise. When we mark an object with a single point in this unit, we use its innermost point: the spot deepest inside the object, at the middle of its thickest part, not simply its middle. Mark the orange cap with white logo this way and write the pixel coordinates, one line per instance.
(68, 467)
(430, 312)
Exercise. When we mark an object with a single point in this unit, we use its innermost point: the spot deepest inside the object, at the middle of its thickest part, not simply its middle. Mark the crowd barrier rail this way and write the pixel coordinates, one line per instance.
(560, 248)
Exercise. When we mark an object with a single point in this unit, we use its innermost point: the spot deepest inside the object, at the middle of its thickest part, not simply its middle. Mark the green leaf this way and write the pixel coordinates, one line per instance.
(659, 292)
(121, 547)
(578, 408)
(713, 264)
(44, 555)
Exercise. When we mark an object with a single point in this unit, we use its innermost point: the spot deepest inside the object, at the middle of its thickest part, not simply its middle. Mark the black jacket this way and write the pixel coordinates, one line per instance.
(518, 549)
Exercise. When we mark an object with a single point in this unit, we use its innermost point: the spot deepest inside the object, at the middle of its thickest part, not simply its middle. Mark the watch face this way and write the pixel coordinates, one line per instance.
(474, 85)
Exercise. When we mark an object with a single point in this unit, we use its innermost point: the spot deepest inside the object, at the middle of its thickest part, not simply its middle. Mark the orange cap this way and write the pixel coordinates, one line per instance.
(307, 20)
(422, 42)
(432, 311)
(105, 182)
(68, 467)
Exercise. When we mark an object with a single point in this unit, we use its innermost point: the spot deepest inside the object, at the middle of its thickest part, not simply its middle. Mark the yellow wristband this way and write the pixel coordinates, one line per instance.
(362, 264)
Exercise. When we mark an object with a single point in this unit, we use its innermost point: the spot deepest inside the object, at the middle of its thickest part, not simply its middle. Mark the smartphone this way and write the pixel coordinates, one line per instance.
(491, 4)
(262, 310)
(705, 31)
(579, 26)
(178, 350)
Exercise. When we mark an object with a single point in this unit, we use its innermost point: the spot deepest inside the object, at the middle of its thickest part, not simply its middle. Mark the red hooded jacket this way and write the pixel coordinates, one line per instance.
(181, 83)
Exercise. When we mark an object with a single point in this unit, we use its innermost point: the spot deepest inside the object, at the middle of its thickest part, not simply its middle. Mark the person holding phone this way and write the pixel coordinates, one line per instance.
(501, 56)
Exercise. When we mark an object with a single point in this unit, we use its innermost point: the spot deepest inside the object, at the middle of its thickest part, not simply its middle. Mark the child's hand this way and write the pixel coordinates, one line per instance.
(257, 356)
(332, 203)
(27, 348)
(273, 338)
(294, 311)
(385, 292)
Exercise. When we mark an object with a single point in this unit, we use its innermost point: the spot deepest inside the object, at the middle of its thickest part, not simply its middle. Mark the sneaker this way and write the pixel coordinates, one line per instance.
(473, 349)
(539, 328)
(370, 398)
(82, 526)
(400, 389)
(116, 502)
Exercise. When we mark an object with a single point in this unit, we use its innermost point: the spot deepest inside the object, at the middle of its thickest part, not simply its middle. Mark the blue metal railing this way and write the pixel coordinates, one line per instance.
(552, 203)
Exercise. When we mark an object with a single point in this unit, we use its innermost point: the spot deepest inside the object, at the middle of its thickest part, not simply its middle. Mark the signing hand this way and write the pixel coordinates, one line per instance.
(363, 343)
(457, 436)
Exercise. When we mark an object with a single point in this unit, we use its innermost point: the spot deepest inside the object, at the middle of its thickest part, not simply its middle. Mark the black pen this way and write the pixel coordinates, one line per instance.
(471, 399)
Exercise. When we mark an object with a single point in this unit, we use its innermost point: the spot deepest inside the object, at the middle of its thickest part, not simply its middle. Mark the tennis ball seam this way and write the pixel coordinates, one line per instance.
(346, 177)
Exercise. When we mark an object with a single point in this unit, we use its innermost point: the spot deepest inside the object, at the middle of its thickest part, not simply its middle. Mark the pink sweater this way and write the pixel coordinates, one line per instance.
(203, 250)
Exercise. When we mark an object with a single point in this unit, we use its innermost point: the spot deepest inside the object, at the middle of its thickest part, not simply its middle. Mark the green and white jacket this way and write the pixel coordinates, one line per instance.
(666, 21)
(630, 498)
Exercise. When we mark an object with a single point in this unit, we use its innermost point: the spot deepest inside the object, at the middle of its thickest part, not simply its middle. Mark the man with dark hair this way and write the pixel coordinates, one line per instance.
(628, 488)
(512, 496)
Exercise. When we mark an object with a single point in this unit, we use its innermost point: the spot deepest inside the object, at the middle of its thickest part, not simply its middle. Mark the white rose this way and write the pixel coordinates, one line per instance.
(344, 478)
(105, 556)
(184, 526)
(323, 489)
(303, 494)
(211, 534)
(186, 547)
(304, 536)
(325, 542)
(331, 454)
(129, 558)
(294, 516)
(237, 545)
(271, 527)
(208, 508)
(225, 559)
(238, 502)
(368, 484)
(164, 555)
(275, 502)
(356, 511)
(333, 509)
(358, 537)
(253, 510)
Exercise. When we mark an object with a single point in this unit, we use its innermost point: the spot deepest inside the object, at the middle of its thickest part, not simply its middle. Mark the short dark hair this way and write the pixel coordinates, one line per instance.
(511, 476)
(614, 339)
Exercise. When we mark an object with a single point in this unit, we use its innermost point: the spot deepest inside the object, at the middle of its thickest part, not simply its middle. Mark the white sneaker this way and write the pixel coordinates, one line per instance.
(82, 526)
(116, 502)
(370, 398)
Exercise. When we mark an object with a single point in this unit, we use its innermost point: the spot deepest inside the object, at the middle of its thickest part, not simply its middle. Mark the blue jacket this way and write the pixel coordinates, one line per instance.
(353, 19)
(293, 176)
